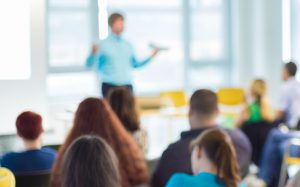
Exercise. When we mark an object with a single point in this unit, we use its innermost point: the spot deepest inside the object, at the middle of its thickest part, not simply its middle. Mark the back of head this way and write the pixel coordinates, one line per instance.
(220, 151)
(89, 161)
(204, 103)
(95, 117)
(122, 102)
(29, 125)
(92, 116)
(258, 88)
(291, 69)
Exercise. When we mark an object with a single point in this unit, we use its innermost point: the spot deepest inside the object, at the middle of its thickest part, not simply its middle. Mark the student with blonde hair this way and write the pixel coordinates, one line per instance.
(214, 162)
(259, 108)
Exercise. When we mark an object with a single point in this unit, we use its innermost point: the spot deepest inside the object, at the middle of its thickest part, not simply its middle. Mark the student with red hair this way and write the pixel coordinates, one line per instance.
(95, 117)
(34, 158)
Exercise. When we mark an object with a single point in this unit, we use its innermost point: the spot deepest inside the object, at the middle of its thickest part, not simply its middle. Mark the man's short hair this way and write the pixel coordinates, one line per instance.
(291, 68)
(29, 125)
(114, 17)
(204, 102)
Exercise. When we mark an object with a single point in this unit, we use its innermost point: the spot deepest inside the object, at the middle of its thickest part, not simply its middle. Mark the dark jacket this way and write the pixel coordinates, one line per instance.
(176, 158)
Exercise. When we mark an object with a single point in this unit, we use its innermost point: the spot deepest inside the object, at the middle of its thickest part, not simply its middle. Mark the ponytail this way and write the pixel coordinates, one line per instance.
(219, 149)
(227, 168)
(259, 89)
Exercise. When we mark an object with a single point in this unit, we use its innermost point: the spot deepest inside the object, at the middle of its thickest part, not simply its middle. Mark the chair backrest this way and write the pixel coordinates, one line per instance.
(176, 98)
(7, 178)
(230, 96)
(38, 179)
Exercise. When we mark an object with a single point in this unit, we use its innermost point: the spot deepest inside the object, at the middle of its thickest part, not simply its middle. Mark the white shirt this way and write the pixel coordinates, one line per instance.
(290, 101)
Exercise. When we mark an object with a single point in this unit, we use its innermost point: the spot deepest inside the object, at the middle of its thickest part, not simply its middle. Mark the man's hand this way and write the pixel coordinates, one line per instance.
(95, 49)
(155, 52)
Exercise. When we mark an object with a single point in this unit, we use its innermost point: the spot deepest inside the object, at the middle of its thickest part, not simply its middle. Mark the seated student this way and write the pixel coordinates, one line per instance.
(7, 178)
(214, 162)
(259, 108)
(95, 117)
(289, 103)
(203, 113)
(123, 103)
(273, 155)
(90, 161)
(34, 158)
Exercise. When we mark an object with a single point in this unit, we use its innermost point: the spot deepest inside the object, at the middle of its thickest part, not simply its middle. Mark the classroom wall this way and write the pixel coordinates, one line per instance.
(19, 95)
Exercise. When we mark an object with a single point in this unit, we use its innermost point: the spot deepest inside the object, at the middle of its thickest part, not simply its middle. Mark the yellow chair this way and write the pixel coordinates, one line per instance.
(230, 96)
(175, 98)
(7, 178)
(230, 105)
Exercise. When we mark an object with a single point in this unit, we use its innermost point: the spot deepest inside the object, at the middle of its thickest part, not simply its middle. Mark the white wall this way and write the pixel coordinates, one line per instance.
(257, 35)
(17, 96)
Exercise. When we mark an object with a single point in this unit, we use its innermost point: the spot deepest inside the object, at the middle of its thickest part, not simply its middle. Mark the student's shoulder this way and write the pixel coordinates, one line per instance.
(178, 179)
(175, 147)
(49, 151)
(8, 156)
(235, 133)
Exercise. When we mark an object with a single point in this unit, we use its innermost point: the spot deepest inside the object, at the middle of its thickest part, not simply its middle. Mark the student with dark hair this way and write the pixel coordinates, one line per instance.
(95, 117)
(123, 103)
(289, 103)
(214, 162)
(90, 161)
(203, 112)
(114, 57)
(34, 158)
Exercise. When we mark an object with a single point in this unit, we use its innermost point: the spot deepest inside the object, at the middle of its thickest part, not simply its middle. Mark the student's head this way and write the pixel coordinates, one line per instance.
(95, 117)
(116, 23)
(89, 161)
(29, 126)
(258, 89)
(289, 70)
(203, 108)
(122, 102)
(213, 150)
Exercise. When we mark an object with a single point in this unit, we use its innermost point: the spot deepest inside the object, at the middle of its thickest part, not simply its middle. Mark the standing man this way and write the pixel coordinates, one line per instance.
(289, 104)
(115, 57)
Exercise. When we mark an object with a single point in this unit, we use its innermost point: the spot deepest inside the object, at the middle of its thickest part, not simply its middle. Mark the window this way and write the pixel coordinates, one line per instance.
(72, 26)
(204, 32)
(209, 44)
(69, 32)
(196, 33)
(158, 22)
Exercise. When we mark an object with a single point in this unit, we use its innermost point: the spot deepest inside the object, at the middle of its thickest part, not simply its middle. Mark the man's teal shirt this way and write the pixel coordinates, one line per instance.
(115, 61)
